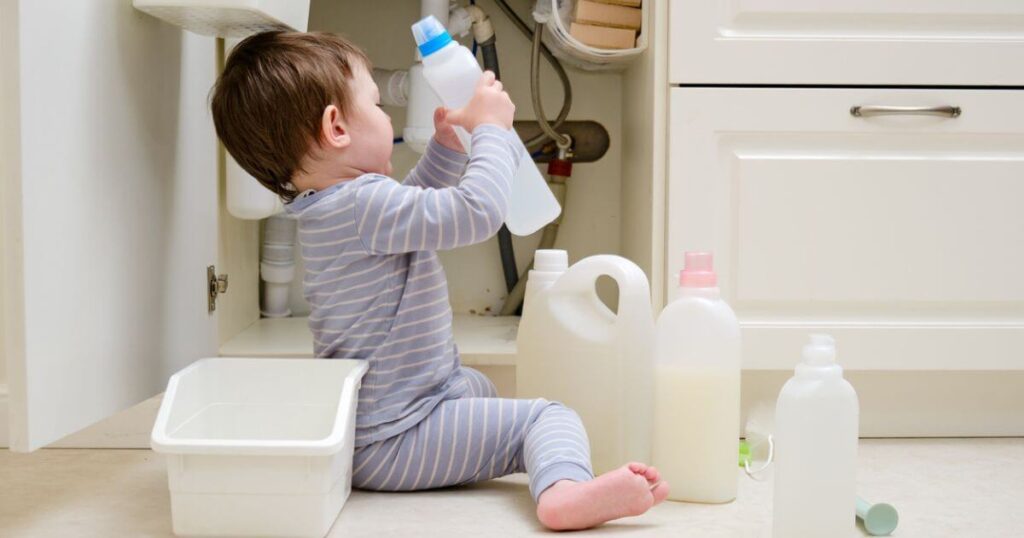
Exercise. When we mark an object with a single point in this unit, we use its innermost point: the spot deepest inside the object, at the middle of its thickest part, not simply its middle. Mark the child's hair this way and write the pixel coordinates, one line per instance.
(268, 103)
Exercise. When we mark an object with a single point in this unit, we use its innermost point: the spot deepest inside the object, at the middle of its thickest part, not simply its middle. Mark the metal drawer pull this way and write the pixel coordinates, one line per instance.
(877, 110)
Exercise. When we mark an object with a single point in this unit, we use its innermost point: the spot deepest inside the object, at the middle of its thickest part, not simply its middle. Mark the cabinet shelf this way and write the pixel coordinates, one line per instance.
(482, 340)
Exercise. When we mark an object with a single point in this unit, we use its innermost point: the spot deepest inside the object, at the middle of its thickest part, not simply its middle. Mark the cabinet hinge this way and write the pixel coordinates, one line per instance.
(216, 285)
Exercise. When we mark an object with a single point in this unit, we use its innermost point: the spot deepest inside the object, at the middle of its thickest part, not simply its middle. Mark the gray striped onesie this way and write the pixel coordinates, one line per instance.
(378, 292)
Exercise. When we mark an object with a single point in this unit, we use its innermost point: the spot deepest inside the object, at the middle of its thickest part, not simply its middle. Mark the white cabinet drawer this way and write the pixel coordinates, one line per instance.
(847, 42)
(901, 235)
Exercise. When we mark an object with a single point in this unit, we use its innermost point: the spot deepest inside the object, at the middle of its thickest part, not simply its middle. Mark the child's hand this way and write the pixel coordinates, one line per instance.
(490, 104)
(444, 133)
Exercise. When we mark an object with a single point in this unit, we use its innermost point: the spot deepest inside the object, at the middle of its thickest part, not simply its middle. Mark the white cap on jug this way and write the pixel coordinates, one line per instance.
(551, 260)
(820, 350)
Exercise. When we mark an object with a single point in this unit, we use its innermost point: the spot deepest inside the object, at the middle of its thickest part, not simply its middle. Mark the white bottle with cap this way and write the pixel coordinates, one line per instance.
(575, 350)
(452, 71)
(815, 438)
(697, 389)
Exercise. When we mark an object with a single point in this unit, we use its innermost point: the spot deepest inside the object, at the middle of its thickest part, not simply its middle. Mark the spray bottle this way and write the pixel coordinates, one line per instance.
(816, 448)
(452, 72)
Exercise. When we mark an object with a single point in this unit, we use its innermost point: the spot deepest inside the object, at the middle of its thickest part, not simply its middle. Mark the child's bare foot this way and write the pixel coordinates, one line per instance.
(627, 491)
(659, 487)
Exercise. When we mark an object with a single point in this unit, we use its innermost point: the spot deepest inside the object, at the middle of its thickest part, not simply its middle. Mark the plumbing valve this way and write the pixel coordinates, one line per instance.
(561, 165)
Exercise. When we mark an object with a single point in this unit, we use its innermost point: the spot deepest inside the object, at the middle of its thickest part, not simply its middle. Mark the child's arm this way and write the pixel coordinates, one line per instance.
(441, 165)
(393, 218)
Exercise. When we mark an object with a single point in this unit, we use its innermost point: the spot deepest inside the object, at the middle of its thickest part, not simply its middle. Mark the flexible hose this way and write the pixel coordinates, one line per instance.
(563, 141)
(489, 51)
(508, 258)
(555, 64)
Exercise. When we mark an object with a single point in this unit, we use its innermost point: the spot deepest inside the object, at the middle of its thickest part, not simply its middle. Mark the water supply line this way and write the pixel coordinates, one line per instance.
(535, 37)
(563, 141)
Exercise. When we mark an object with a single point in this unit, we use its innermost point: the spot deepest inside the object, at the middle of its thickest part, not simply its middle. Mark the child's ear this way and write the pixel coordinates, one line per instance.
(334, 129)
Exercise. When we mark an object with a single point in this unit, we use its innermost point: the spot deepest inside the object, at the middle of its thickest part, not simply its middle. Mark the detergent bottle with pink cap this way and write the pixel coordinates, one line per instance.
(697, 389)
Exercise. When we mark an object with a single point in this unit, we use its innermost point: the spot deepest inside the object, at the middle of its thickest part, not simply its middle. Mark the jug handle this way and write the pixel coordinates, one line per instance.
(634, 309)
(582, 277)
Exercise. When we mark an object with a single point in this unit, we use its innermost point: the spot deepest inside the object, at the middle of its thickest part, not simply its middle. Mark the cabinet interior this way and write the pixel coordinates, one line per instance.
(595, 218)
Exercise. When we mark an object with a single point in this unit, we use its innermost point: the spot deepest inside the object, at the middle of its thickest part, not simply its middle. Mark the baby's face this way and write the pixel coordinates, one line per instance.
(369, 126)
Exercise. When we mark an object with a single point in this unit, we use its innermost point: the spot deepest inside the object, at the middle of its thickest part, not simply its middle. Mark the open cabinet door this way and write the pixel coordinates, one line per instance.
(109, 209)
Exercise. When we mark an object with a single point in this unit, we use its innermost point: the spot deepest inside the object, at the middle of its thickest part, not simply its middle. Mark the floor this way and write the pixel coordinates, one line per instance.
(941, 487)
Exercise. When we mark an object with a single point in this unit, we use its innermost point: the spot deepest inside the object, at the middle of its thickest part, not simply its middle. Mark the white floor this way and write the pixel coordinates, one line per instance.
(941, 487)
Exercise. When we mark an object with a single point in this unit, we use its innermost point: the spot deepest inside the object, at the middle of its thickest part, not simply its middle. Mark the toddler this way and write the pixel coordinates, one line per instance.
(301, 113)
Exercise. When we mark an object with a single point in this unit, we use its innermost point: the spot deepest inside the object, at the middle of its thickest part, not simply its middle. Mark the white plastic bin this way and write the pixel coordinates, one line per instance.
(259, 447)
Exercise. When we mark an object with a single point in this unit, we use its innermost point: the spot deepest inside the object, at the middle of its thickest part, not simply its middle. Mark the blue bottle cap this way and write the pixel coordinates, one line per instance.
(430, 35)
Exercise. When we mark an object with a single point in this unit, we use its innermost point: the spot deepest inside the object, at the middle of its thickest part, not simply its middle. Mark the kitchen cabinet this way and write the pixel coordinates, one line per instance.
(110, 210)
(847, 42)
(898, 233)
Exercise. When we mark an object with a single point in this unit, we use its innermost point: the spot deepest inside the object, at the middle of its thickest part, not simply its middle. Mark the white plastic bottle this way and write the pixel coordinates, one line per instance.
(452, 72)
(815, 439)
(697, 389)
(573, 349)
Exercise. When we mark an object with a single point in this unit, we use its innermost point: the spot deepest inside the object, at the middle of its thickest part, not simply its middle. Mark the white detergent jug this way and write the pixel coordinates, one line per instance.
(816, 448)
(452, 72)
(697, 389)
(573, 349)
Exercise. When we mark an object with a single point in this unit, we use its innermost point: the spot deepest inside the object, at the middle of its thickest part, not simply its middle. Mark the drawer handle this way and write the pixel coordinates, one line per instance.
(878, 110)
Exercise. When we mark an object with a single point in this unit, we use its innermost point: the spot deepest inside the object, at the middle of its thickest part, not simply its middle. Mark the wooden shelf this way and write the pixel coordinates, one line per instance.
(482, 340)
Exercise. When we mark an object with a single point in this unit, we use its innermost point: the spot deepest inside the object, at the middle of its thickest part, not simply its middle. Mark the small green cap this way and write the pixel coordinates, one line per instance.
(744, 453)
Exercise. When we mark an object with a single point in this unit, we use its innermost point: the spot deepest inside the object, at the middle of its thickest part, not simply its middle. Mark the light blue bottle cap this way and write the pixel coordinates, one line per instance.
(879, 519)
(430, 35)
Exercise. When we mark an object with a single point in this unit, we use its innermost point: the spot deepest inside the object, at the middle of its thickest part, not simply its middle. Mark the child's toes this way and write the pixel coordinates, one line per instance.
(638, 468)
(652, 475)
(660, 492)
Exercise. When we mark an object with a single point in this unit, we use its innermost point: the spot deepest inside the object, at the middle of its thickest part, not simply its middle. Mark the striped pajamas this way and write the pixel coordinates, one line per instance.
(479, 437)
(378, 293)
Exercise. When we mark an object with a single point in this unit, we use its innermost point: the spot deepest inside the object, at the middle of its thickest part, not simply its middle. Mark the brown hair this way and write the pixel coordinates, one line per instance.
(268, 103)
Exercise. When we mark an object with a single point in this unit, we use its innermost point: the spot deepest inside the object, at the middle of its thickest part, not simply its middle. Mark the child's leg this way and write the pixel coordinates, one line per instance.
(479, 385)
(473, 439)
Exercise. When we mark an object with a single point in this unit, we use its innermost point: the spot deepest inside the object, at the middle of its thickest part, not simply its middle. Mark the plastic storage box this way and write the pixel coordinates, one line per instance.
(259, 447)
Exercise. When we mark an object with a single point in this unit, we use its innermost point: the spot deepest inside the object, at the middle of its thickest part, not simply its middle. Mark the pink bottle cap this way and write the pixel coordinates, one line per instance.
(698, 271)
